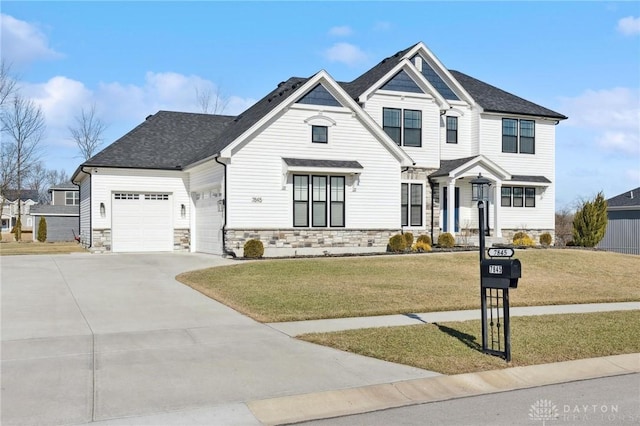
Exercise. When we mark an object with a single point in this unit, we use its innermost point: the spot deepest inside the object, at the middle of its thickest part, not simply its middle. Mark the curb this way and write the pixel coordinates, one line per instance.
(328, 404)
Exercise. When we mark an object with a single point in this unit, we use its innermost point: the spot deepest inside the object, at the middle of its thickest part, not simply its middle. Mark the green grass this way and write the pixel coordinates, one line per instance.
(10, 248)
(455, 347)
(301, 289)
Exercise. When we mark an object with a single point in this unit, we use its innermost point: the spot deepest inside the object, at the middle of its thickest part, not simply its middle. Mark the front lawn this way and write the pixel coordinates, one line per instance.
(8, 248)
(455, 347)
(301, 289)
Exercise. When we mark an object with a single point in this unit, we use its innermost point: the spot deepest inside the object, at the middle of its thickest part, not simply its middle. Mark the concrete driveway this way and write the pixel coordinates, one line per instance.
(102, 337)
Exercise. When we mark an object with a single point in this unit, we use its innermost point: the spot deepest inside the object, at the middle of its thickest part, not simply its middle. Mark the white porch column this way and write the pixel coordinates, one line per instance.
(451, 207)
(497, 199)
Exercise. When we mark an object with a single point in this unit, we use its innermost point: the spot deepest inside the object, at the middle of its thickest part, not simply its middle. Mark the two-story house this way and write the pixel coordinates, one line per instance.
(62, 215)
(321, 166)
(26, 198)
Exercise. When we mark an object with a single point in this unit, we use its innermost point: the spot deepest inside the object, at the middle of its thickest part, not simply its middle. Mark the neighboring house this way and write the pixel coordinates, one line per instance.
(320, 166)
(623, 225)
(28, 198)
(62, 215)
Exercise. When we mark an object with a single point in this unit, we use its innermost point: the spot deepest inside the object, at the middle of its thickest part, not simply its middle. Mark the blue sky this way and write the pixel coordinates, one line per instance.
(132, 59)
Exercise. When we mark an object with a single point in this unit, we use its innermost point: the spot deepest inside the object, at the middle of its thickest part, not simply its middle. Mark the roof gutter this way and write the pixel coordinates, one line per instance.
(225, 250)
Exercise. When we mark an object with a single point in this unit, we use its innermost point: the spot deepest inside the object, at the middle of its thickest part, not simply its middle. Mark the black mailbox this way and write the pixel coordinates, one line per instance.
(500, 273)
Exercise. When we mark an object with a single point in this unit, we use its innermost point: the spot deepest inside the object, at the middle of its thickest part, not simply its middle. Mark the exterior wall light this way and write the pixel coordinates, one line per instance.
(103, 210)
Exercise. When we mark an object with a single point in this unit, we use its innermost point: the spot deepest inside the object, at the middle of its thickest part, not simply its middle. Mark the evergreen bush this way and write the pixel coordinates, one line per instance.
(446, 240)
(408, 238)
(17, 230)
(397, 243)
(590, 222)
(424, 239)
(546, 239)
(253, 249)
(421, 247)
(42, 230)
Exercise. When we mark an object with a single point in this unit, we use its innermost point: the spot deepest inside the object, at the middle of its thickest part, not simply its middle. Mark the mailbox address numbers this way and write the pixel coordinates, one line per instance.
(501, 252)
(495, 269)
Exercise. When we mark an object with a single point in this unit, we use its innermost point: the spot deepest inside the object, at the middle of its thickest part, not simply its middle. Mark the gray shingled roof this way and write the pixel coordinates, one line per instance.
(300, 162)
(626, 199)
(492, 99)
(65, 186)
(49, 210)
(530, 178)
(446, 166)
(165, 140)
(25, 194)
(172, 140)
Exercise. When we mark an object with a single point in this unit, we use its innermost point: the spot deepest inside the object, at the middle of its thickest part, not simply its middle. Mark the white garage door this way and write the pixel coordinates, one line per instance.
(141, 222)
(208, 222)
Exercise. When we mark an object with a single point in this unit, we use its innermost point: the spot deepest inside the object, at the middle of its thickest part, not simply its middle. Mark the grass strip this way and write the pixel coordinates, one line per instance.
(456, 347)
(11, 248)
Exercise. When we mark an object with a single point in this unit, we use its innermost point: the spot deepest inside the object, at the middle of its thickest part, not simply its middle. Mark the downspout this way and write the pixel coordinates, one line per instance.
(224, 207)
(90, 209)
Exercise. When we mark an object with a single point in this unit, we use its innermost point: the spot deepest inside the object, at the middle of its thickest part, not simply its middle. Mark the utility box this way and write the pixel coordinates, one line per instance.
(500, 273)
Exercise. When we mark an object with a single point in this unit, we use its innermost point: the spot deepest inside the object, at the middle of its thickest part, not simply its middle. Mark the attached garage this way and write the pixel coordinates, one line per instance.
(208, 222)
(141, 222)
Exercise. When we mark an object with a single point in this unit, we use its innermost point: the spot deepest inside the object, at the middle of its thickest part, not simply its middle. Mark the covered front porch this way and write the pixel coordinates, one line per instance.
(459, 185)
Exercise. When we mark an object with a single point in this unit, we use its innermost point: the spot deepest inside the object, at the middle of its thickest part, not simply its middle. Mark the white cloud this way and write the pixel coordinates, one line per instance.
(611, 116)
(23, 42)
(341, 31)
(629, 25)
(345, 53)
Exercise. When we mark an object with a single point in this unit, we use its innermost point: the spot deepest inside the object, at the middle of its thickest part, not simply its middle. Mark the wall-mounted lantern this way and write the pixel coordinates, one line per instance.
(103, 210)
(183, 211)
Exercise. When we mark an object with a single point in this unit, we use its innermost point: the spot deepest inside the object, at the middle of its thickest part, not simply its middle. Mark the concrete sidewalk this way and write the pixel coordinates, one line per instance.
(296, 328)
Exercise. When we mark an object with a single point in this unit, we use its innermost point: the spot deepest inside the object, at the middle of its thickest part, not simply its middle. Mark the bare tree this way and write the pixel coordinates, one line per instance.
(87, 133)
(7, 82)
(211, 101)
(23, 127)
(564, 226)
(38, 180)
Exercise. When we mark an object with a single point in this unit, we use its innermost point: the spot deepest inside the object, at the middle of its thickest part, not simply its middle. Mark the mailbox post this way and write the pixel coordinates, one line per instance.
(497, 275)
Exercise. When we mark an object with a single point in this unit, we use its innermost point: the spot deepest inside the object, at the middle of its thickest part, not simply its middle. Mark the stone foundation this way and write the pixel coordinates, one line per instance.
(181, 239)
(309, 241)
(508, 234)
(101, 241)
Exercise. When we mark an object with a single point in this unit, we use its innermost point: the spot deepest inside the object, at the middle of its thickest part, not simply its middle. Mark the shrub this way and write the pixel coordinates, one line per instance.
(519, 235)
(446, 240)
(408, 238)
(546, 239)
(424, 239)
(590, 222)
(421, 247)
(524, 241)
(253, 249)
(397, 243)
(17, 230)
(42, 230)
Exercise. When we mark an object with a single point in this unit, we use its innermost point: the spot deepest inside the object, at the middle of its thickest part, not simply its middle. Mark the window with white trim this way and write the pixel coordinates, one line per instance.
(72, 198)
(452, 129)
(411, 204)
(318, 200)
(319, 134)
(518, 196)
(404, 127)
(518, 136)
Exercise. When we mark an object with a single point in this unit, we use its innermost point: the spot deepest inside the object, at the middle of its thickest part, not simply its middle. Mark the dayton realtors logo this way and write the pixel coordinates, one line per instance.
(543, 411)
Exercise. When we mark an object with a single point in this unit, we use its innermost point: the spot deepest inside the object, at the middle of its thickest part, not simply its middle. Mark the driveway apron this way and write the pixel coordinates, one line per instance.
(97, 337)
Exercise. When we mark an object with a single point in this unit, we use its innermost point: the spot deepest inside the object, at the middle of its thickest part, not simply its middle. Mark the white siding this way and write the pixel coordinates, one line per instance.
(206, 175)
(260, 196)
(107, 181)
(85, 210)
(428, 154)
(466, 132)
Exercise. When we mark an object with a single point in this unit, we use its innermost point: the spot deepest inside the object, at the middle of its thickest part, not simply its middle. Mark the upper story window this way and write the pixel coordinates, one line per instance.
(71, 198)
(319, 134)
(404, 130)
(452, 129)
(518, 136)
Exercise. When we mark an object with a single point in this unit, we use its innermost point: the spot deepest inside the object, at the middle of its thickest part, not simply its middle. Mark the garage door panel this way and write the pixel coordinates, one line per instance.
(141, 222)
